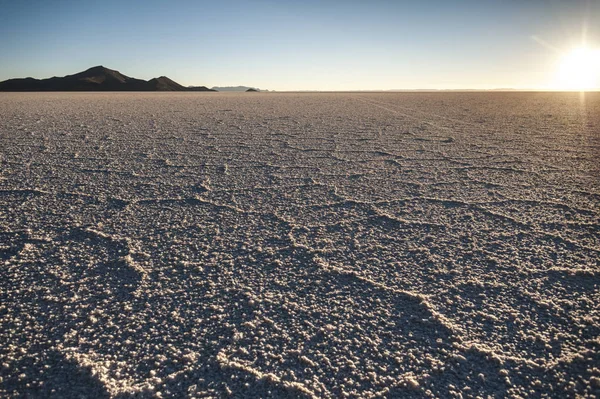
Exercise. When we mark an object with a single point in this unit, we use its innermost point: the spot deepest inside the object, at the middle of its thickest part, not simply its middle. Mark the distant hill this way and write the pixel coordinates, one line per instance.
(165, 84)
(198, 88)
(97, 78)
(235, 88)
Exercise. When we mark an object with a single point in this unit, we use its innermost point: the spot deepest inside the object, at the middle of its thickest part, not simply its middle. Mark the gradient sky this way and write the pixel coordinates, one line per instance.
(300, 45)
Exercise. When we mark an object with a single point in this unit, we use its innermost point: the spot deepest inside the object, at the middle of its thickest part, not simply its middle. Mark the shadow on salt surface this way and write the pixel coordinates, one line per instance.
(279, 198)
(337, 335)
(55, 377)
(11, 243)
(34, 321)
(337, 212)
(355, 337)
(106, 263)
(509, 321)
(477, 269)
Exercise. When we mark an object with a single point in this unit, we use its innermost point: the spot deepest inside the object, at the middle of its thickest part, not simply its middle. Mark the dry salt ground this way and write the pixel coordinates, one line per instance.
(299, 245)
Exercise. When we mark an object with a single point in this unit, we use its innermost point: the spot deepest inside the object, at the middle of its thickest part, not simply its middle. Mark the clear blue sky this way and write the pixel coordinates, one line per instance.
(299, 45)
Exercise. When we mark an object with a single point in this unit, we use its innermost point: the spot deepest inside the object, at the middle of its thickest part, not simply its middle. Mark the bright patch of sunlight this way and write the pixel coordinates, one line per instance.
(579, 70)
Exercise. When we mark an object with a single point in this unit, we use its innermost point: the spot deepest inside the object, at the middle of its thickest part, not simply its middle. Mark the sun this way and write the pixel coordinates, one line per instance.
(579, 70)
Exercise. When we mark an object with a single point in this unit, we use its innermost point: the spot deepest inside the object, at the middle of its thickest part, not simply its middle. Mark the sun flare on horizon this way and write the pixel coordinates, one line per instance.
(579, 70)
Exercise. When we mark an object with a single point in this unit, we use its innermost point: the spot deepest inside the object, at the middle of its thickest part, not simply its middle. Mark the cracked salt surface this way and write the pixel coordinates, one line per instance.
(299, 245)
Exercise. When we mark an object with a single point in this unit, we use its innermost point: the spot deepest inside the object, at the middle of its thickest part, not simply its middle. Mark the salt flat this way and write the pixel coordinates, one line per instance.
(299, 245)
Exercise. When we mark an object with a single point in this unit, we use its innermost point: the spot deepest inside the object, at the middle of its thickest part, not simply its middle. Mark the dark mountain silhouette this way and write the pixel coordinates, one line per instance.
(251, 90)
(198, 88)
(233, 88)
(165, 84)
(97, 78)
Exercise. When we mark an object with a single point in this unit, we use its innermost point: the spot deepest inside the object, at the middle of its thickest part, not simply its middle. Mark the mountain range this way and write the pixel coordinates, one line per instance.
(97, 78)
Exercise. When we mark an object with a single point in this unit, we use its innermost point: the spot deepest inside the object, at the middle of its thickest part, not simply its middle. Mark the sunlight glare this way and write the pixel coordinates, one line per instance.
(579, 70)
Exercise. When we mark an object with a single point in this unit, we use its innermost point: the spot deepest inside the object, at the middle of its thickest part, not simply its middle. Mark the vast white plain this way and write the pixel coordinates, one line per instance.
(299, 245)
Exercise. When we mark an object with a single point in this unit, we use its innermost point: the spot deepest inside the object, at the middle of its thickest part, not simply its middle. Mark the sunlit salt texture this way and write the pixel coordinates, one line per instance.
(301, 245)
